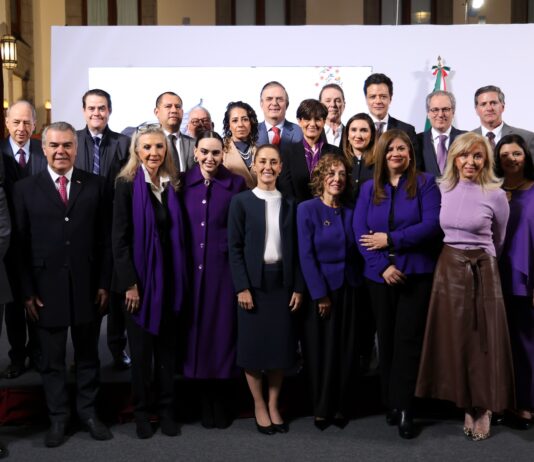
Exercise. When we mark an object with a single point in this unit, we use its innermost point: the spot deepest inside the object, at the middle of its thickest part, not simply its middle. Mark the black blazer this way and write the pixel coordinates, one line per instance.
(294, 180)
(426, 159)
(5, 231)
(37, 162)
(63, 252)
(246, 236)
(114, 149)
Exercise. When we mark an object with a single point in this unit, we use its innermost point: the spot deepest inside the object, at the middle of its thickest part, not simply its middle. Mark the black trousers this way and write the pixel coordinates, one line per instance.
(329, 347)
(400, 313)
(18, 331)
(152, 353)
(53, 342)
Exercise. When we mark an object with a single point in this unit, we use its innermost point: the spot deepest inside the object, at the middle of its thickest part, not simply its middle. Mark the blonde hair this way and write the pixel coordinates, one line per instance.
(464, 144)
(168, 168)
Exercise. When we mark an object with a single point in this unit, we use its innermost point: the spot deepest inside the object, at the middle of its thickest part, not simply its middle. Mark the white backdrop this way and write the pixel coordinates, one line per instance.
(478, 55)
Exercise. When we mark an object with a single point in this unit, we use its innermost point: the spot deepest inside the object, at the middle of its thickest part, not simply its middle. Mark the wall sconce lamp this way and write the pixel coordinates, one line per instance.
(472, 5)
(8, 49)
(48, 109)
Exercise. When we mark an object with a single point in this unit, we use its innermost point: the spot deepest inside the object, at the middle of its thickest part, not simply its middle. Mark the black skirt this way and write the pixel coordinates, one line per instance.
(265, 335)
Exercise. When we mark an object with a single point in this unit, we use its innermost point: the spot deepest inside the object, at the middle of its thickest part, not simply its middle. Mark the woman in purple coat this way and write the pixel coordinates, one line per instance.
(396, 225)
(210, 315)
(514, 163)
(328, 258)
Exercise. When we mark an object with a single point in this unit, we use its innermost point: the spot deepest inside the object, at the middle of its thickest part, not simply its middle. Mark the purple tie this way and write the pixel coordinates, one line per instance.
(22, 158)
(442, 153)
(491, 138)
(379, 128)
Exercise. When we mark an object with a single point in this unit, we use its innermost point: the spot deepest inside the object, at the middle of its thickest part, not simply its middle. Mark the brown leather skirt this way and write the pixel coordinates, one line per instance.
(466, 352)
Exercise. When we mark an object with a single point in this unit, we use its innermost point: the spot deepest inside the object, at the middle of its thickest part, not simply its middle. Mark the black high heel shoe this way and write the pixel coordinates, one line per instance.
(406, 427)
(321, 424)
(268, 430)
(281, 427)
(392, 417)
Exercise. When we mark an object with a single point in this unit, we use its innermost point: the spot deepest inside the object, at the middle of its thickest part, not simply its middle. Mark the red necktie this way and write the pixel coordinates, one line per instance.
(22, 158)
(276, 137)
(62, 181)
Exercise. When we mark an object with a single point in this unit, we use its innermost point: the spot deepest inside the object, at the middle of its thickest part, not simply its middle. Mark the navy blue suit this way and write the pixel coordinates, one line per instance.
(291, 133)
(426, 159)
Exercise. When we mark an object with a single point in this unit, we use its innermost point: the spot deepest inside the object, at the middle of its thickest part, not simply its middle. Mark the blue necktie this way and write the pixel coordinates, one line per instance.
(96, 155)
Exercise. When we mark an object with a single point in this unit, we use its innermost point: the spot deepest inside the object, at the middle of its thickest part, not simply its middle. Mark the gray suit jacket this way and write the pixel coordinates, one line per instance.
(187, 146)
(509, 130)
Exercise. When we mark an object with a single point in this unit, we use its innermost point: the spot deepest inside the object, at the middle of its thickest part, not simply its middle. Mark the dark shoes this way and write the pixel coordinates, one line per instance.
(14, 370)
(55, 436)
(168, 425)
(143, 428)
(321, 424)
(3, 451)
(97, 429)
(122, 361)
(281, 427)
(268, 430)
(392, 417)
(406, 426)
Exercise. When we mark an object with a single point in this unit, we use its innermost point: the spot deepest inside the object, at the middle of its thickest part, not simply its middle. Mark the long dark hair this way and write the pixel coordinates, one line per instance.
(345, 143)
(251, 114)
(381, 175)
(528, 171)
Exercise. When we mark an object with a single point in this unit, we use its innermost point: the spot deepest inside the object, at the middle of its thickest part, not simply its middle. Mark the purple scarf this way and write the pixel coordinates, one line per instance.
(148, 256)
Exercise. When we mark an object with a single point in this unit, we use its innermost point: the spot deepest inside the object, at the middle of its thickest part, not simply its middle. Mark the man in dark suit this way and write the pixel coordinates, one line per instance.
(275, 129)
(22, 157)
(378, 91)
(64, 269)
(489, 105)
(5, 291)
(103, 152)
(169, 111)
(434, 143)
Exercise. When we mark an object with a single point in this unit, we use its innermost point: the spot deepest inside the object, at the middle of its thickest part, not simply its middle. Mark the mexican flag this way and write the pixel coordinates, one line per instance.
(441, 73)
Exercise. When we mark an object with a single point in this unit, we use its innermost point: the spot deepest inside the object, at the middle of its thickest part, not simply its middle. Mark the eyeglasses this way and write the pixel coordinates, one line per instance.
(437, 110)
(145, 126)
(197, 122)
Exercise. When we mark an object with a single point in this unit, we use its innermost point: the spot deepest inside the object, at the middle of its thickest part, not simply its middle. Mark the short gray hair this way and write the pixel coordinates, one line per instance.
(489, 89)
(441, 93)
(27, 103)
(59, 127)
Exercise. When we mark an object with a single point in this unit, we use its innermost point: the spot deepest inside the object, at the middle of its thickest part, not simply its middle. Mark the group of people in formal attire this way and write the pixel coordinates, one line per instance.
(241, 253)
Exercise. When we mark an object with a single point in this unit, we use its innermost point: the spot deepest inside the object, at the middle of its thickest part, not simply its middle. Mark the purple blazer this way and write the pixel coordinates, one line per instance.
(327, 251)
(415, 232)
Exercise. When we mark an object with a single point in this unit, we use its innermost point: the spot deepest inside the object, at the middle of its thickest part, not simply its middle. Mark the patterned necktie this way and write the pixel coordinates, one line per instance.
(442, 153)
(276, 137)
(379, 128)
(22, 158)
(96, 155)
(62, 181)
(175, 156)
(491, 138)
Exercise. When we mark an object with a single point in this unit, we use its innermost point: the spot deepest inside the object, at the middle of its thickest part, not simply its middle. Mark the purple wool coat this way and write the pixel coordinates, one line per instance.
(210, 314)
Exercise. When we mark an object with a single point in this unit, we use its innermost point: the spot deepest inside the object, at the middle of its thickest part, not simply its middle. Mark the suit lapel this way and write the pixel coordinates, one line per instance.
(44, 180)
(263, 138)
(76, 185)
(429, 154)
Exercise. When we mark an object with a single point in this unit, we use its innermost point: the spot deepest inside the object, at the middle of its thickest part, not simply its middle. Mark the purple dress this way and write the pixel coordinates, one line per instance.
(517, 274)
(210, 314)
